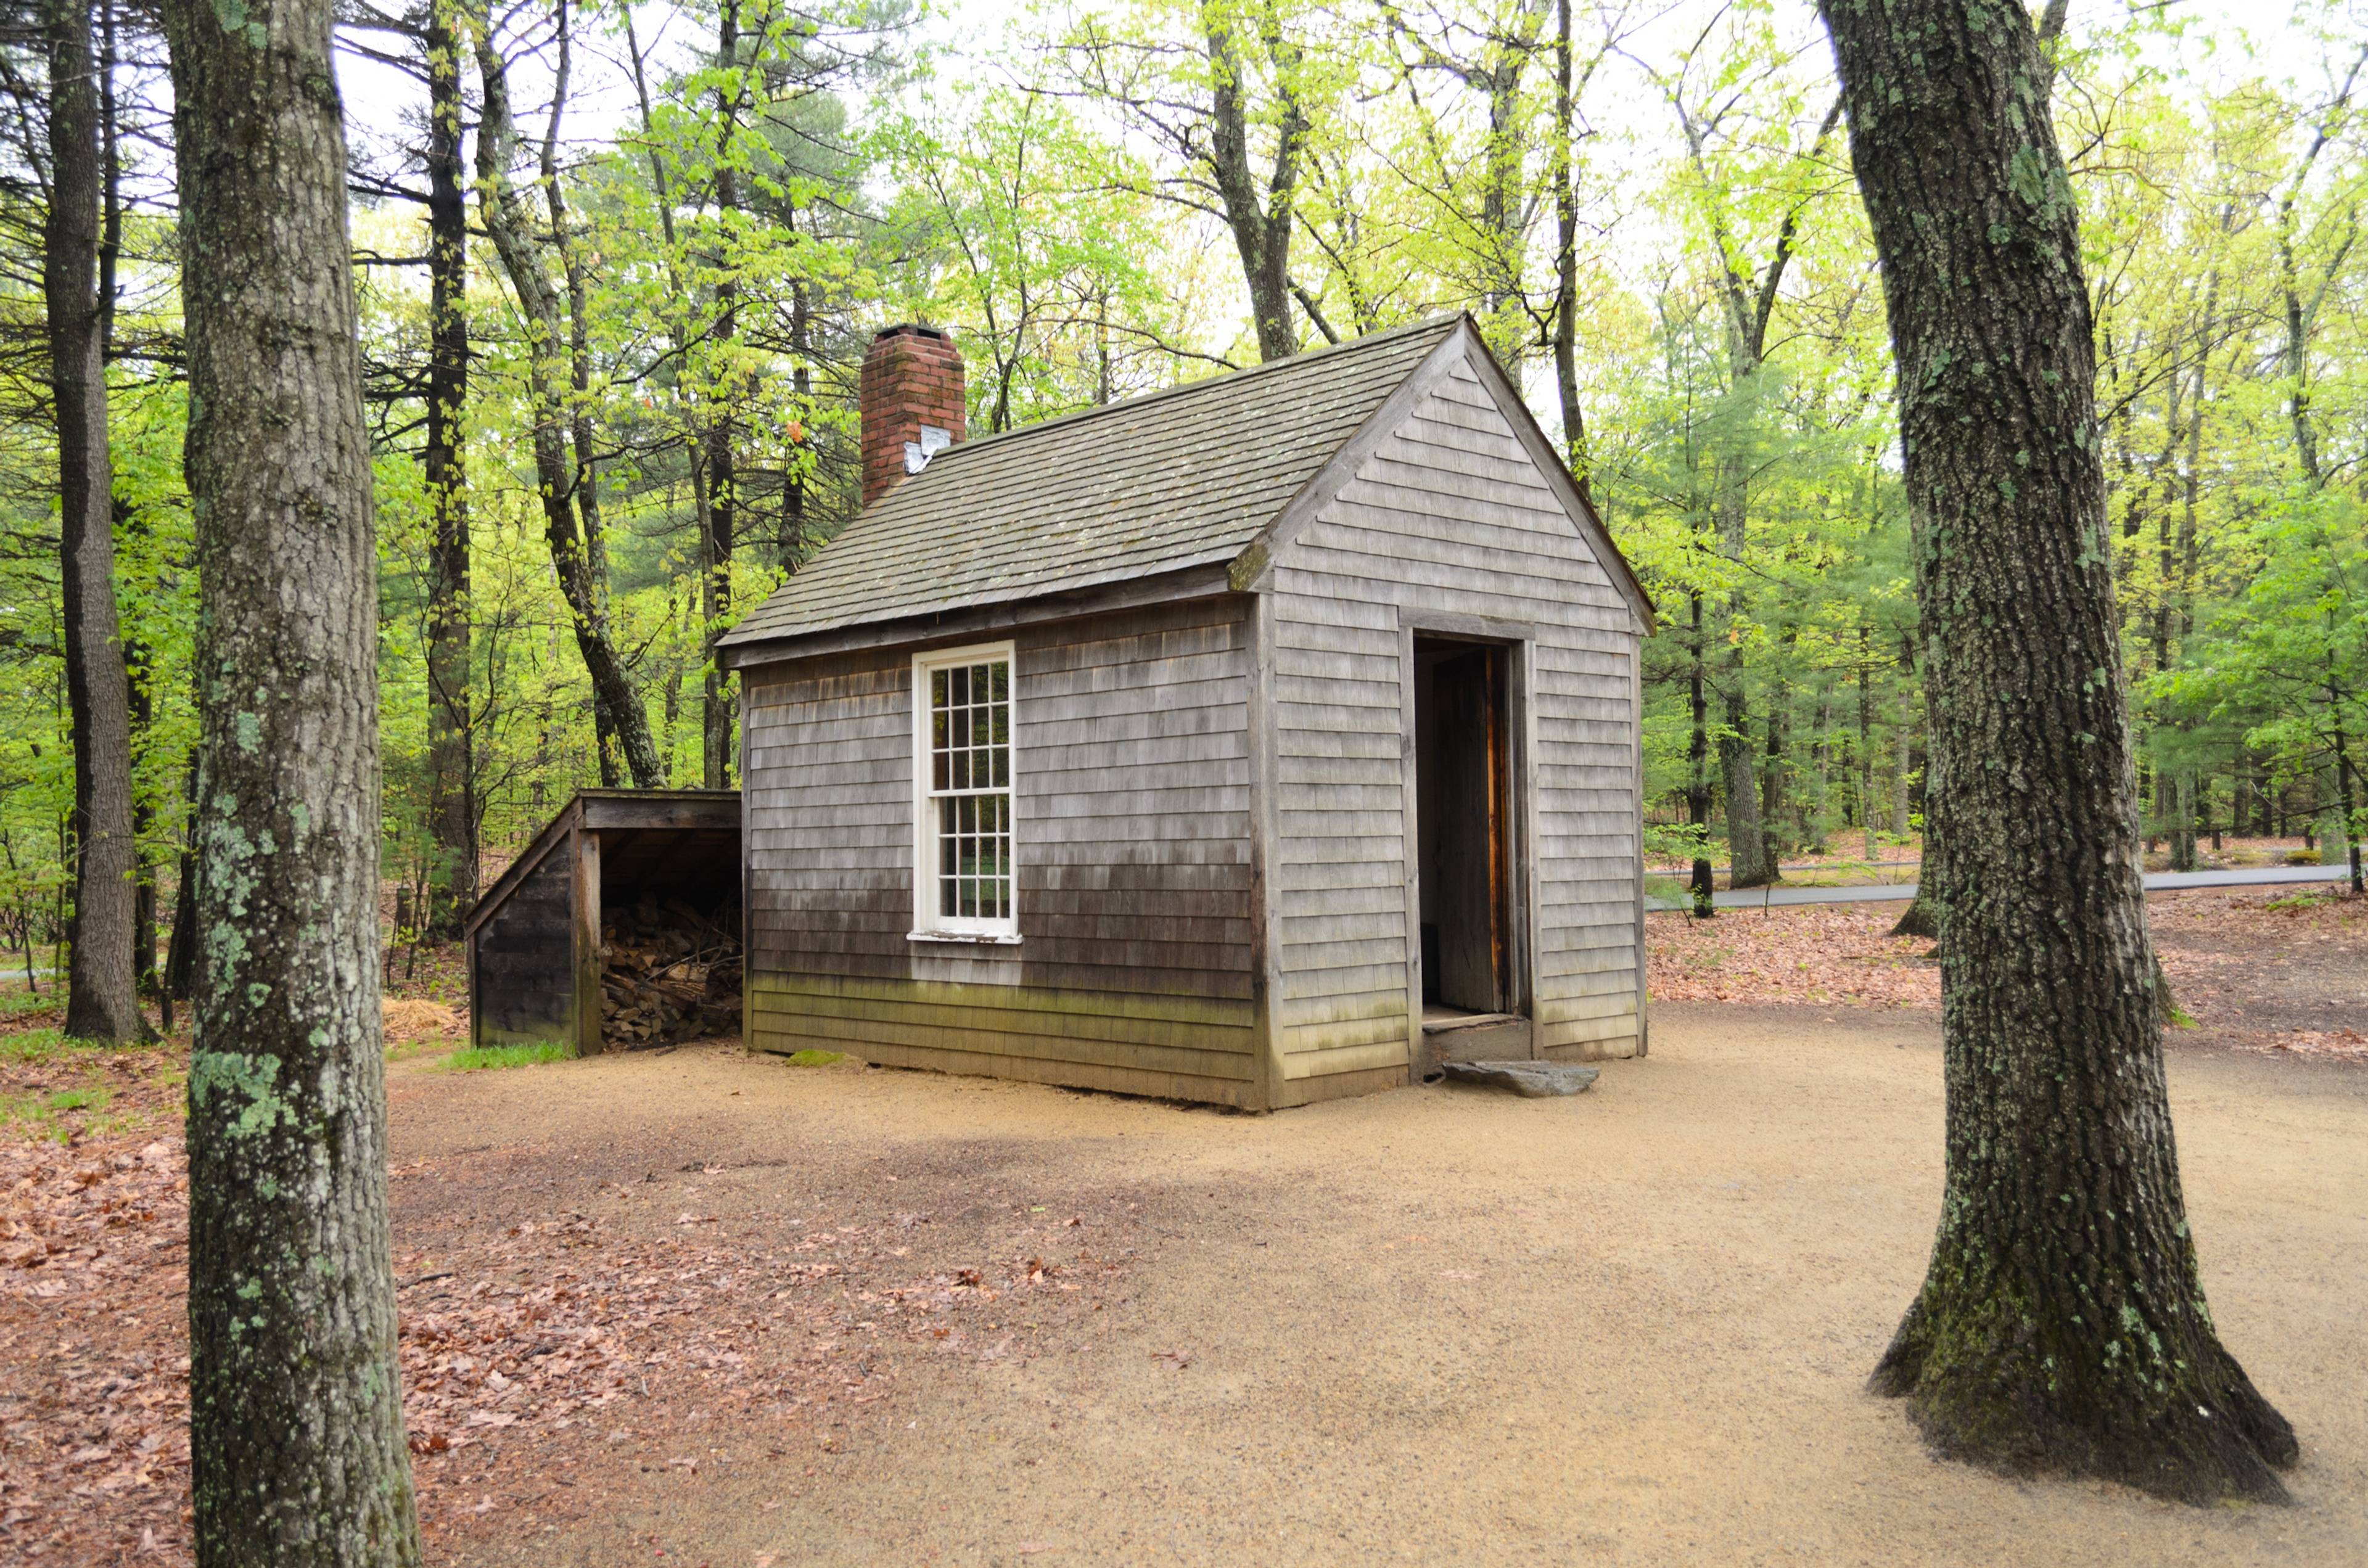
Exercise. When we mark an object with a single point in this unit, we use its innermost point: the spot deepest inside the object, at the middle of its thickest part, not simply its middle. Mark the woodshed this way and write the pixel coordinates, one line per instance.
(1259, 741)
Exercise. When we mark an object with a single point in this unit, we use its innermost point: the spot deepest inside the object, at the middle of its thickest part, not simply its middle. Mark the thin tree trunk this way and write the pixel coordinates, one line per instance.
(791, 535)
(1566, 317)
(2062, 1326)
(1747, 840)
(138, 672)
(102, 995)
(1903, 738)
(1866, 744)
(2179, 590)
(451, 760)
(1698, 766)
(144, 824)
(2300, 300)
(617, 704)
(295, 1400)
(2345, 779)
(583, 479)
(722, 472)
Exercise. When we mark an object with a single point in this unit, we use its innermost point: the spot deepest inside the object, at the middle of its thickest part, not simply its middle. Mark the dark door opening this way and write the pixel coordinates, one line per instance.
(1463, 799)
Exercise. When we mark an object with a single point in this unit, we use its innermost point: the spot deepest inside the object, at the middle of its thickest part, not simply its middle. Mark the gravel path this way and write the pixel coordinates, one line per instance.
(1901, 893)
(1435, 1327)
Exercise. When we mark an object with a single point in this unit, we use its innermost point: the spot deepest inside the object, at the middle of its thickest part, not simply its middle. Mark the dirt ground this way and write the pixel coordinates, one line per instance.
(706, 1307)
(1431, 1326)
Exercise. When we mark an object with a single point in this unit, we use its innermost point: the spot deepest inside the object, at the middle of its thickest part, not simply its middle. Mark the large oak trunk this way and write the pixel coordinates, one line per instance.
(2062, 1326)
(102, 1000)
(295, 1413)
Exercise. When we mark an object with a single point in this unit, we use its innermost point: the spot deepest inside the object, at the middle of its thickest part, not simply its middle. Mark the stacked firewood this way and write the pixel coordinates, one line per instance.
(668, 972)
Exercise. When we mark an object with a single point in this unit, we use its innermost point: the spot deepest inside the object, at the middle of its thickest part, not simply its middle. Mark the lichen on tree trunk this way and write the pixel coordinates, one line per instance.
(296, 1432)
(2062, 1324)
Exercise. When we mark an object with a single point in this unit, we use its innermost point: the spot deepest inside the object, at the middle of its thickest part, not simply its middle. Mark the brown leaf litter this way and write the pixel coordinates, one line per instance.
(562, 1346)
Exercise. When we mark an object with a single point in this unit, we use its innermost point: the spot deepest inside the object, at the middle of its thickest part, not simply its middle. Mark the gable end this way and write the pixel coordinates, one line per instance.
(1252, 570)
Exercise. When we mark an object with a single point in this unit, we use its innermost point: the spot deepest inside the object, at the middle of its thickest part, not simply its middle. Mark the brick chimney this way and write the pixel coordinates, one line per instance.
(912, 403)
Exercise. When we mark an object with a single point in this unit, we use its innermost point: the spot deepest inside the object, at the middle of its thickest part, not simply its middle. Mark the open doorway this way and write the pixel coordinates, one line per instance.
(1463, 814)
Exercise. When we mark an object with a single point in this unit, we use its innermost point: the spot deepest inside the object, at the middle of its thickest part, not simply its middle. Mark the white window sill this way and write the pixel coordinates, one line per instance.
(967, 938)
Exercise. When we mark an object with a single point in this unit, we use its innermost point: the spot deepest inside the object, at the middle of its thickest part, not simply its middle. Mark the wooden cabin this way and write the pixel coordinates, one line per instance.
(1258, 740)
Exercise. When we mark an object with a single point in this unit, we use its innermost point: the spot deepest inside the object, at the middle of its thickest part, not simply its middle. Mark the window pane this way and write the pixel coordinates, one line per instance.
(970, 771)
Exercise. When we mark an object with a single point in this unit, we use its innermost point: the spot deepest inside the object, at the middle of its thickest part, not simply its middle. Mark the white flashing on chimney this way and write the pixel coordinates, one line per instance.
(933, 441)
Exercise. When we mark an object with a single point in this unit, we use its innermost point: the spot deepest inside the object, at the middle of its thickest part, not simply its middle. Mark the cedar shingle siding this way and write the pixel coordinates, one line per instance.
(1213, 596)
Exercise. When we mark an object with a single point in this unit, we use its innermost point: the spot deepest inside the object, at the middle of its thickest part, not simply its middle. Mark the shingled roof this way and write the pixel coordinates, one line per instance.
(1185, 477)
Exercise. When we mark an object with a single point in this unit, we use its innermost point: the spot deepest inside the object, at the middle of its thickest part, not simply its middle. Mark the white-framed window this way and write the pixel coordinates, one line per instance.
(964, 882)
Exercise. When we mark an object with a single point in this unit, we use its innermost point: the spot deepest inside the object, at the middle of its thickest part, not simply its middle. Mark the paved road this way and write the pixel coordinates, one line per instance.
(1900, 893)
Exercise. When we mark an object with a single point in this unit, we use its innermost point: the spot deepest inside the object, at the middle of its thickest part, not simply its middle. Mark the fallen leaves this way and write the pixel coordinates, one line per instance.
(409, 1020)
(2338, 1045)
(93, 1386)
(1821, 955)
(525, 1341)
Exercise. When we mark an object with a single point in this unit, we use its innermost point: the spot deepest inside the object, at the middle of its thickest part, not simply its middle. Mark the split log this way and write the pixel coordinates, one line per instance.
(668, 972)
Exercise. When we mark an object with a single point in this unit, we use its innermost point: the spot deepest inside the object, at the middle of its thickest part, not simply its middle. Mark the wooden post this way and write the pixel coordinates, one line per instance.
(587, 903)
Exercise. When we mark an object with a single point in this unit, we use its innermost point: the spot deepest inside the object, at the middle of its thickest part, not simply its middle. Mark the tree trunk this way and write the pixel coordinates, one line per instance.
(715, 611)
(451, 761)
(1698, 768)
(1260, 219)
(1903, 741)
(618, 706)
(1866, 745)
(144, 824)
(295, 1405)
(1565, 318)
(1774, 775)
(1922, 915)
(583, 479)
(102, 995)
(722, 470)
(2062, 1326)
(1746, 841)
(2346, 776)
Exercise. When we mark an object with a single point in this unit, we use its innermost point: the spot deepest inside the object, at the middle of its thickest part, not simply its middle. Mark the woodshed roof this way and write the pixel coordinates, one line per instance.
(1173, 479)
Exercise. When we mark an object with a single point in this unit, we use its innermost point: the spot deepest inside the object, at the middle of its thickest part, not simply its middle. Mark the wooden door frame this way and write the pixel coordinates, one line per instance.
(1518, 639)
